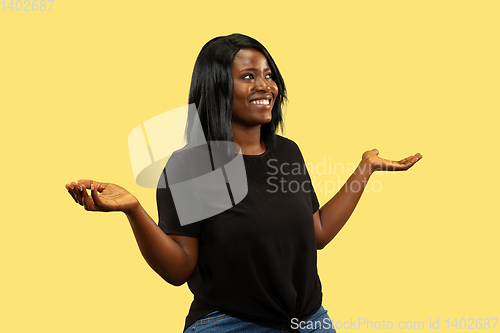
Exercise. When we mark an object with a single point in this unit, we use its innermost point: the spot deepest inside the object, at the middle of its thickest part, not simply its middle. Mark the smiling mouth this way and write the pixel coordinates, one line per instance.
(261, 101)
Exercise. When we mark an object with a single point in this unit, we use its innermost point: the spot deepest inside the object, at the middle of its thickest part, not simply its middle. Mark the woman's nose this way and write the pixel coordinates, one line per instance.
(262, 85)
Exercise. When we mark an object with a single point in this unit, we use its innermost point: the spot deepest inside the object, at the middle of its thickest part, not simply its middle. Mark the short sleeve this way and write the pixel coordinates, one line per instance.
(168, 220)
(314, 198)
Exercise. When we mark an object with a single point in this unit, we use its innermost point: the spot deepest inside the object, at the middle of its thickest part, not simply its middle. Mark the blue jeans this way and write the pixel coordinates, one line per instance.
(217, 322)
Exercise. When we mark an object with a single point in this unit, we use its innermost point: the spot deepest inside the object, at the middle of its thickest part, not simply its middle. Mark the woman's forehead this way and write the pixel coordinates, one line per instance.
(249, 57)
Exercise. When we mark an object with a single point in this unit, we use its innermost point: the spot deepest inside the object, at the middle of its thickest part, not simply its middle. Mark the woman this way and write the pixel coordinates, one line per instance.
(251, 268)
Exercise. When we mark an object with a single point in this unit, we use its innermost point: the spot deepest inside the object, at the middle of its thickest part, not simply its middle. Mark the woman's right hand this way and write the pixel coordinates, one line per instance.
(105, 197)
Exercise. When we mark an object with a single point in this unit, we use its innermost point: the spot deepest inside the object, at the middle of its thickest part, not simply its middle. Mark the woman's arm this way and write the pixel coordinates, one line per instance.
(174, 258)
(330, 218)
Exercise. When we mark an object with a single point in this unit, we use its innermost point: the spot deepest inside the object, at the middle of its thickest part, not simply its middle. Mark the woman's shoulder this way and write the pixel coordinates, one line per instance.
(286, 143)
(187, 163)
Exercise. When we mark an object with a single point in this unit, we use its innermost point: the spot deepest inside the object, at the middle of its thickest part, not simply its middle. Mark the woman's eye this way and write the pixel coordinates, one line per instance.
(250, 76)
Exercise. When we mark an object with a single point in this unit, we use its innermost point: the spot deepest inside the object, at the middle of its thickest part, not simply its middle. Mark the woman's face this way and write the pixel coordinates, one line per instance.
(255, 91)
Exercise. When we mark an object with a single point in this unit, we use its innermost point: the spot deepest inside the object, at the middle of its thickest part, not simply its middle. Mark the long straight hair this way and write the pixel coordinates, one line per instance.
(212, 90)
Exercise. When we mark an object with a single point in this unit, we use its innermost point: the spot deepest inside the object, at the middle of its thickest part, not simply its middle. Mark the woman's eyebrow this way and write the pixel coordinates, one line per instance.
(255, 69)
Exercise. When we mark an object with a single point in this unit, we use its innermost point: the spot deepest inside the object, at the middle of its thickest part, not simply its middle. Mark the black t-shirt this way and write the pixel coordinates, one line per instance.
(257, 260)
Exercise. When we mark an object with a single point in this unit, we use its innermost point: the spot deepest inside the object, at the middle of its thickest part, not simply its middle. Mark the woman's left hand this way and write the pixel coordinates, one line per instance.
(374, 162)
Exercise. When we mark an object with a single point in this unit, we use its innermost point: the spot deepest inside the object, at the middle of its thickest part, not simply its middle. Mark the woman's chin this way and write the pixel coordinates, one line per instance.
(266, 120)
(267, 117)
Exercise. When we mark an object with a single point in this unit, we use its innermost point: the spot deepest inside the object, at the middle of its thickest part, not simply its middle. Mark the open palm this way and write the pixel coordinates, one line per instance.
(378, 163)
(104, 197)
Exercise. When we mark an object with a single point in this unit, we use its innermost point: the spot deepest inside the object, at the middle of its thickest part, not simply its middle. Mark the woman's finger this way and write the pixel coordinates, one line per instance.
(417, 156)
(77, 192)
(95, 196)
(88, 182)
(404, 160)
(414, 159)
(87, 201)
(70, 191)
(100, 186)
(409, 162)
(83, 190)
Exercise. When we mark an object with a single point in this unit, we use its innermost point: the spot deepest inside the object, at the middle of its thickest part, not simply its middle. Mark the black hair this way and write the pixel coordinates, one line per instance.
(212, 89)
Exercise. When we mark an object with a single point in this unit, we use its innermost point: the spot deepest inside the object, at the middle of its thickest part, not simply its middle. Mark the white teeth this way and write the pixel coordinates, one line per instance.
(261, 101)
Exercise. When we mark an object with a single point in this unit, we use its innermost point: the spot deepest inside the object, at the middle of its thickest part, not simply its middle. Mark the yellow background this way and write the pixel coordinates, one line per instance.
(400, 76)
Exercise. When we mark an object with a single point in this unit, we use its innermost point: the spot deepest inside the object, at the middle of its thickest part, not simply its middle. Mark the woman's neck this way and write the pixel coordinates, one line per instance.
(249, 140)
